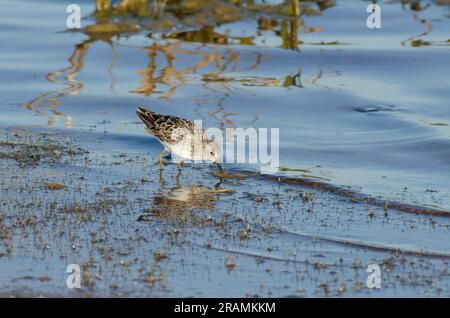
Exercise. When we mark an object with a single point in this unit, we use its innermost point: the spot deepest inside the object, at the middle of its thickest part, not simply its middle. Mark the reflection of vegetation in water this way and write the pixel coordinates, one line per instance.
(130, 16)
(197, 21)
(415, 7)
(285, 19)
(207, 35)
(412, 8)
(48, 101)
(203, 15)
(216, 58)
(160, 80)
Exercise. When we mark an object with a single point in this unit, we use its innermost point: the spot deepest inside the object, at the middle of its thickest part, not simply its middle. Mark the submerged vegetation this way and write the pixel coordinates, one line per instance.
(135, 236)
(28, 150)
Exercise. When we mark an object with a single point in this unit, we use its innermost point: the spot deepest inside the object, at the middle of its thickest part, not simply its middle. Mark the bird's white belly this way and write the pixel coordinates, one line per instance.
(185, 149)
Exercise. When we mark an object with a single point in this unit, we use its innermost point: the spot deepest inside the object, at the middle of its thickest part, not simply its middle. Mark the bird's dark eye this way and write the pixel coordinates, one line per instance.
(212, 153)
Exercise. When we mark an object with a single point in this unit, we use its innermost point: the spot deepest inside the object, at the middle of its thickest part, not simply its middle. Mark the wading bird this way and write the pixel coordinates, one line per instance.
(181, 137)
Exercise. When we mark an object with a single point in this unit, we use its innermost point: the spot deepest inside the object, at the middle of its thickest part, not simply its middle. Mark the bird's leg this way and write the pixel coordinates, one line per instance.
(177, 178)
(220, 174)
(180, 165)
(161, 156)
(217, 185)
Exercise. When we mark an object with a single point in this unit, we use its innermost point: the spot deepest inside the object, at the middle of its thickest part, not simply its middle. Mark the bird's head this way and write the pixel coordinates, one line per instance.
(211, 151)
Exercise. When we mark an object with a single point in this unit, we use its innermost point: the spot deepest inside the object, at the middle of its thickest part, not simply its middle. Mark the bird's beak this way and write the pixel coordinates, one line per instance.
(219, 166)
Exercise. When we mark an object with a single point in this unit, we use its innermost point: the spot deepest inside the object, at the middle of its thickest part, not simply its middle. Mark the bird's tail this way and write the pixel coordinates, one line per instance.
(148, 117)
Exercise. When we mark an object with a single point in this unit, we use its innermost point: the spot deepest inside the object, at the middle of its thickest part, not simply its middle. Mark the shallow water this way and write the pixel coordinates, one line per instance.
(134, 235)
(359, 109)
(371, 113)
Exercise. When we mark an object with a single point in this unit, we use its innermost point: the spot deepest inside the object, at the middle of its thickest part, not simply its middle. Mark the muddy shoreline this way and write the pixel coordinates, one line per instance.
(135, 236)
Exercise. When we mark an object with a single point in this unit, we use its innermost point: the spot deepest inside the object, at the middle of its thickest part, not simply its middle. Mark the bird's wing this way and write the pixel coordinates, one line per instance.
(165, 126)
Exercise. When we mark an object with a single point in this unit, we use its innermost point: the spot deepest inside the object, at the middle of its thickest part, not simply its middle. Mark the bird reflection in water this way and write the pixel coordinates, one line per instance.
(184, 204)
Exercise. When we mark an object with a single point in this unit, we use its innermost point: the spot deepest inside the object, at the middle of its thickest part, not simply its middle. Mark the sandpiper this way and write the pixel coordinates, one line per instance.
(181, 137)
